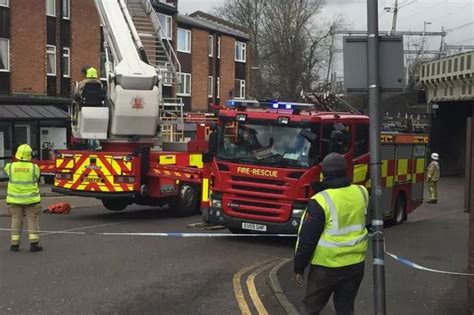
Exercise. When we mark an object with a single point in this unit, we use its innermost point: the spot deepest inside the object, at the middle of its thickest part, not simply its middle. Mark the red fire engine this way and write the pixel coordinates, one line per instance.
(130, 152)
(267, 158)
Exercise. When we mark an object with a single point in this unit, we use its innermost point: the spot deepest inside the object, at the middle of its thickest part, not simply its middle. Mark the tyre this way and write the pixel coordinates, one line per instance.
(399, 213)
(115, 204)
(187, 202)
(48, 179)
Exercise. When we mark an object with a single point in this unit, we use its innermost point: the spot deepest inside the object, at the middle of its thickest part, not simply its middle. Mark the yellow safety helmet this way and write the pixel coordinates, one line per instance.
(91, 73)
(23, 153)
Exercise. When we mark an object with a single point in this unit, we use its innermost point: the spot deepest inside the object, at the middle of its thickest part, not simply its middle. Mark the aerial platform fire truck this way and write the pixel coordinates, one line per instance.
(267, 159)
(133, 163)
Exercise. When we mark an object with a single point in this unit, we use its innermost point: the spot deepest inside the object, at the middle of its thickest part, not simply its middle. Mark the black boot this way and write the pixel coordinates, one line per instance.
(15, 248)
(34, 247)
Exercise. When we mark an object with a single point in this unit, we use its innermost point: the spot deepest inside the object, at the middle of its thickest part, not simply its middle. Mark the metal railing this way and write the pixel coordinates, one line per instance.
(174, 65)
(171, 120)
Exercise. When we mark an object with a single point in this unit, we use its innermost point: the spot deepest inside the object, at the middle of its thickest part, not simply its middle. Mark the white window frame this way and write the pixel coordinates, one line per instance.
(168, 28)
(242, 47)
(53, 13)
(187, 40)
(210, 88)
(218, 87)
(241, 89)
(210, 45)
(103, 60)
(7, 4)
(185, 77)
(55, 60)
(218, 46)
(66, 54)
(6, 40)
(68, 16)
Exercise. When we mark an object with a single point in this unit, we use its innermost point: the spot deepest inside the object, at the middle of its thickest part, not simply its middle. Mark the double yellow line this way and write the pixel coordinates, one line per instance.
(257, 269)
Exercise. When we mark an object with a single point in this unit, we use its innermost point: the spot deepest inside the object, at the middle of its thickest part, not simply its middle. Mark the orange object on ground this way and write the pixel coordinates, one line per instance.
(60, 207)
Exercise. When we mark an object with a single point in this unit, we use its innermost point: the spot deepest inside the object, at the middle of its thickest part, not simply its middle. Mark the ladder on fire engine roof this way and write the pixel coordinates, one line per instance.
(158, 48)
(328, 102)
(171, 120)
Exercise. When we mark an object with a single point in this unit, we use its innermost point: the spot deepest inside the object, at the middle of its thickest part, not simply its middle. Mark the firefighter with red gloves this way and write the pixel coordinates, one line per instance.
(23, 197)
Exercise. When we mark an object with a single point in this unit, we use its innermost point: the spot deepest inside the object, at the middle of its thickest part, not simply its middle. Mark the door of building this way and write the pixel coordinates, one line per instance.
(22, 134)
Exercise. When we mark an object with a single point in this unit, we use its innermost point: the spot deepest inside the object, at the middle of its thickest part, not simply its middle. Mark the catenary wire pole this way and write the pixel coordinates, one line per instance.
(375, 161)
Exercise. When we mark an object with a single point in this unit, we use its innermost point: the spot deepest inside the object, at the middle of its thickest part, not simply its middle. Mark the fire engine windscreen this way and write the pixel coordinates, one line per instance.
(266, 143)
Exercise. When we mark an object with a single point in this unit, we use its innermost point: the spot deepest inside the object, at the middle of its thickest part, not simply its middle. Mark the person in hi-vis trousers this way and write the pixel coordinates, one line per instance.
(23, 197)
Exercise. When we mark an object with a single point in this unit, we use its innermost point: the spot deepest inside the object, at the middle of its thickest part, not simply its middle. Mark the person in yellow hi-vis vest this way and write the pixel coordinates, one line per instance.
(432, 178)
(333, 240)
(23, 197)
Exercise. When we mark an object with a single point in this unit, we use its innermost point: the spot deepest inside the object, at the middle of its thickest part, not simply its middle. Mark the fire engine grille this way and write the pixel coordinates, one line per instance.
(247, 206)
(258, 189)
(258, 198)
(258, 180)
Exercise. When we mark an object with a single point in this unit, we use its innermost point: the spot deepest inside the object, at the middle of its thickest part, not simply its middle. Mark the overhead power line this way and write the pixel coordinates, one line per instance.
(459, 27)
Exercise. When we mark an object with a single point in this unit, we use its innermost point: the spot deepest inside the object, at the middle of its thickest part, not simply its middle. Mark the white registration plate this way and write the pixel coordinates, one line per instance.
(254, 227)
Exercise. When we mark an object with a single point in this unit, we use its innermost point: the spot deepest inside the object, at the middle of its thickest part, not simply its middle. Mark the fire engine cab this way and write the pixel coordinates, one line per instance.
(267, 157)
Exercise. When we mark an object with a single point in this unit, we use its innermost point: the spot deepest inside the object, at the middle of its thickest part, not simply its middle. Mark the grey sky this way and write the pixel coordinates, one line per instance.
(448, 13)
(457, 16)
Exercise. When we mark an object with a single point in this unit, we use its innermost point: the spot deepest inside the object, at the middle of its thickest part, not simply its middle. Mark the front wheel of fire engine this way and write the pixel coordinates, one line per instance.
(115, 204)
(400, 209)
(187, 201)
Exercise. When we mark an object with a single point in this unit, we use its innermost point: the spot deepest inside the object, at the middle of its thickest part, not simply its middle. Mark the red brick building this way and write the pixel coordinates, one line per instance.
(44, 44)
(214, 57)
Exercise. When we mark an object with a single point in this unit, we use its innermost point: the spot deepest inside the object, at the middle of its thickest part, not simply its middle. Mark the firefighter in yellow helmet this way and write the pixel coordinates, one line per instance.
(90, 76)
(23, 197)
(432, 178)
(332, 239)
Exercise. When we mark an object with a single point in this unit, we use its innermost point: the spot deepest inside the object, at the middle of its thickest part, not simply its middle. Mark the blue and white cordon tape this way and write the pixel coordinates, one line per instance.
(210, 235)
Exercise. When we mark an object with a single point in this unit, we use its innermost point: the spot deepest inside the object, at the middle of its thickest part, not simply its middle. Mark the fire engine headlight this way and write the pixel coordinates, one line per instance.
(63, 176)
(241, 117)
(283, 120)
(216, 203)
(298, 213)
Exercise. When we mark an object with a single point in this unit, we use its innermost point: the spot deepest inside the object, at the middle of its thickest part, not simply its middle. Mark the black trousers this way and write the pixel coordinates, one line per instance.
(323, 282)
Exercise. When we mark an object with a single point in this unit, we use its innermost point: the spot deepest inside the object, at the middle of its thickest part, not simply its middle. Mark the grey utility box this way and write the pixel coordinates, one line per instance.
(391, 64)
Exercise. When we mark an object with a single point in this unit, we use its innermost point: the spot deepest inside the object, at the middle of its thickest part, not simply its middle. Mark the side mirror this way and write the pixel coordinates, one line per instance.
(311, 137)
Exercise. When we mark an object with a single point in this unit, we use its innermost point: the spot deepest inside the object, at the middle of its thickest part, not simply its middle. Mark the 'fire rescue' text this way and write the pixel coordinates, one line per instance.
(257, 171)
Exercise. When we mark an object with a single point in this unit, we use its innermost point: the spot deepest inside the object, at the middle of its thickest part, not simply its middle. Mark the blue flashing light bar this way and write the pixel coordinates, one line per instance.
(268, 104)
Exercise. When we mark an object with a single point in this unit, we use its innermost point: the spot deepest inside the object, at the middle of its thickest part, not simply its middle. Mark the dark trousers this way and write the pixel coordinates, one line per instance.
(323, 282)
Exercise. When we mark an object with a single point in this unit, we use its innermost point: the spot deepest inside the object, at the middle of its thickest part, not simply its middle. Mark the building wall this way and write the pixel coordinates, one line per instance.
(85, 44)
(28, 47)
(471, 228)
(227, 68)
(200, 70)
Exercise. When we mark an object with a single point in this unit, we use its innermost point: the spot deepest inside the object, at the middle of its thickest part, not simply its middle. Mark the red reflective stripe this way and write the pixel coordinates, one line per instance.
(108, 166)
(81, 179)
(123, 167)
(109, 186)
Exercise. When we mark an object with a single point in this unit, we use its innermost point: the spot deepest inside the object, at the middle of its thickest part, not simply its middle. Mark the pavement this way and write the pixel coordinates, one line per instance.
(434, 236)
(97, 274)
(123, 274)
